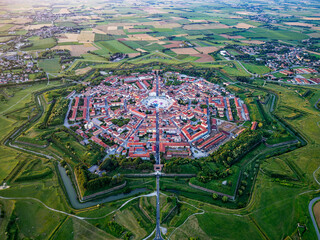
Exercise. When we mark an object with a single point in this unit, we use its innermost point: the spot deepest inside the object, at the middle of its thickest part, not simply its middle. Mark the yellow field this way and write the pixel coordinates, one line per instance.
(132, 55)
(184, 51)
(246, 13)
(21, 20)
(311, 18)
(207, 50)
(198, 20)
(83, 70)
(37, 26)
(231, 37)
(77, 50)
(154, 11)
(166, 25)
(142, 37)
(86, 37)
(63, 11)
(253, 41)
(205, 26)
(316, 211)
(68, 37)
(299, 24)
(203, 58)
(244, 26)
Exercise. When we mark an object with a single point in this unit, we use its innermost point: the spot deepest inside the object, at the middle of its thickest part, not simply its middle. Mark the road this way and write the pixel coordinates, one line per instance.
(158, 230)
(208, 116)
(157, 84)
(106, 106)
(158, 161)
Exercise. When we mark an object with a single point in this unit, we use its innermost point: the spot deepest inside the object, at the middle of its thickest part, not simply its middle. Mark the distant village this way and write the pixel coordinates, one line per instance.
(119, 114)
(290, 61)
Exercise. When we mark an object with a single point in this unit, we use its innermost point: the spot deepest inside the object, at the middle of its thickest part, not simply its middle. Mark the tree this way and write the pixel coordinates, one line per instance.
(215, 196)
(224, 199)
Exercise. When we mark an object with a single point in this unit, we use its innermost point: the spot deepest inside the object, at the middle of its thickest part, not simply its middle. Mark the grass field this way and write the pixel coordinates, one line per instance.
(38, 44)
(5, 27)
(256, 69)
(115, 46)
(20, 97)
(50, 65)
(234, 69)
(273, 34)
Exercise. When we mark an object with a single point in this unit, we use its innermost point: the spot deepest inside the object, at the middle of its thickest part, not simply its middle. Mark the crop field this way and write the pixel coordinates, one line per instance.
(77, 50)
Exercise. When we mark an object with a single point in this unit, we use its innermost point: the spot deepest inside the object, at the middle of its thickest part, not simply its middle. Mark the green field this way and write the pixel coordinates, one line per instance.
(50, 65)
(39, 44)
(12, 114)
(256, 69)
(273, 34)
(115, 46)
(234, 69)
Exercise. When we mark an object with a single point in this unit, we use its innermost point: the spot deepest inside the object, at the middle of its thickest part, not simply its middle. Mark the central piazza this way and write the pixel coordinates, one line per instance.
(154, 101)
(195, 115)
